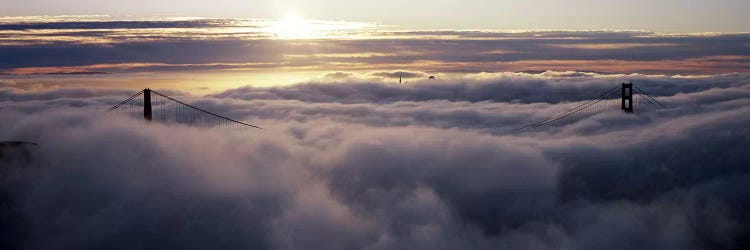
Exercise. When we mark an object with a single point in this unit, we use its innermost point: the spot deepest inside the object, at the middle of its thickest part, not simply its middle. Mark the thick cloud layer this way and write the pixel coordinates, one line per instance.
(549, 86)
(372, 165)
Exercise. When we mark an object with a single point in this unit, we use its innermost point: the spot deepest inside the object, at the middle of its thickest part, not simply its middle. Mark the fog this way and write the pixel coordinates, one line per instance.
(365, 164)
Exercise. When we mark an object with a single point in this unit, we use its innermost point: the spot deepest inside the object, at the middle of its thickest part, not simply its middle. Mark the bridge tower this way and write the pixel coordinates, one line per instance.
(627, 97)
(147, 104)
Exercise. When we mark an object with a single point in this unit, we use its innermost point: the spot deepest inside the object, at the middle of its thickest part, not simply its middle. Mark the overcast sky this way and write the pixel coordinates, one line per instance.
(664, 16)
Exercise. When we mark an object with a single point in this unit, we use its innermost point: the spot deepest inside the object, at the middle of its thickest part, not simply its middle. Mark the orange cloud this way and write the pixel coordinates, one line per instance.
(611, 45)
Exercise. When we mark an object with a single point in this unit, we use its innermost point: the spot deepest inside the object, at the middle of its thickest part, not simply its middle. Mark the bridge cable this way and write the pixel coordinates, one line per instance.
(566, 115)
(569, 112)
(204, 111)
(648, 96)
(563, 113)
(125, 101)
(645, 98)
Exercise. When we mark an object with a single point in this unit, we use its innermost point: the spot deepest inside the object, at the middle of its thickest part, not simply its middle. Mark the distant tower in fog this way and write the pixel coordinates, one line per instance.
(399, 77)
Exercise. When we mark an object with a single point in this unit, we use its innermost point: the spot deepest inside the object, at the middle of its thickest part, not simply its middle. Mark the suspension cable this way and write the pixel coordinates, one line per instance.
(648, 96)
(204, 111)
(568, 112)
(125, 101)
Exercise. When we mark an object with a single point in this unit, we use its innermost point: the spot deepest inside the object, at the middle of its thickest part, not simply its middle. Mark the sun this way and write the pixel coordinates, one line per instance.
(293, 27)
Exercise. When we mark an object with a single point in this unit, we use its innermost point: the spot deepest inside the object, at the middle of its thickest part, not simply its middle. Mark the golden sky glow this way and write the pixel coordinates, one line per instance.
(293, 49)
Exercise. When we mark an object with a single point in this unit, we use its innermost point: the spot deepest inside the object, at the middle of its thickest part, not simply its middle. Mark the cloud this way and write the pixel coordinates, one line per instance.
(240, 44)
(609, 46)
(337, 75)
(548, 86)
(94, 25)
(366, 164)
(398, 74)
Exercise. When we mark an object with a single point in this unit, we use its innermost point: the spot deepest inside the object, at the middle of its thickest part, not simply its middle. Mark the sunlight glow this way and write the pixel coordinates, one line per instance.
(295, 27)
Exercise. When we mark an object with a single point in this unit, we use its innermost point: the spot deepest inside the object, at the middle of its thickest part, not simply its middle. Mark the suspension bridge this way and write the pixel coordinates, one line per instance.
(155, 106)
(630, 97)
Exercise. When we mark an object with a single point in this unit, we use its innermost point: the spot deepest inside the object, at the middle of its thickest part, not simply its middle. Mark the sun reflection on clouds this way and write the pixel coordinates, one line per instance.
(295, 27)
(105, 29)
(296, 44)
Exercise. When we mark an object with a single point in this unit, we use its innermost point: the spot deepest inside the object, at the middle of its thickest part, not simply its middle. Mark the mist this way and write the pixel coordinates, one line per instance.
(366, 164)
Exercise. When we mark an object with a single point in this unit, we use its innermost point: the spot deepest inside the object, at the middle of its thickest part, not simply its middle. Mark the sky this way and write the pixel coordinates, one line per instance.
(661, 16)
(210, 46)
(216, 54)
